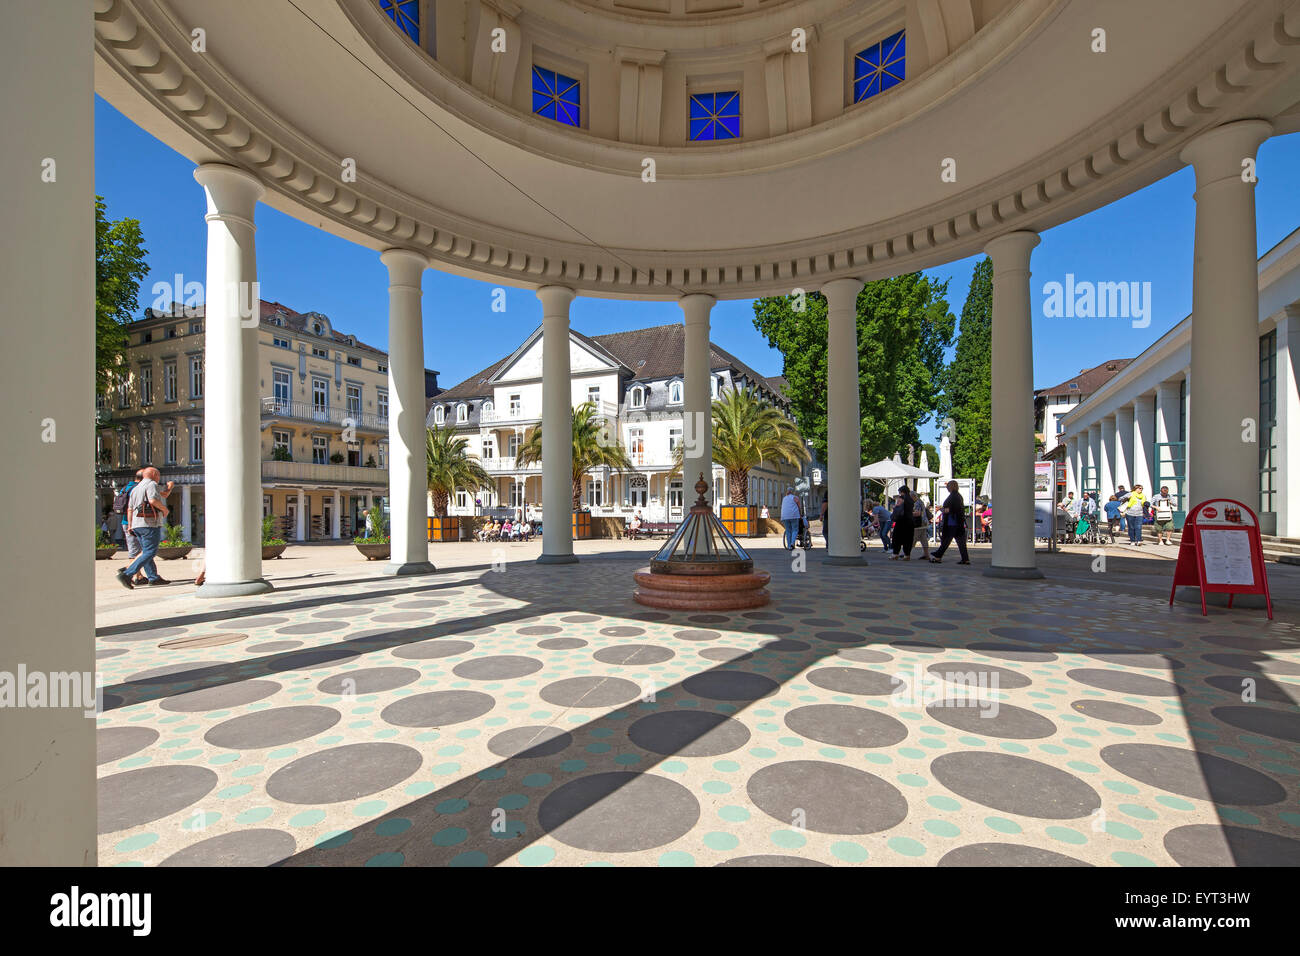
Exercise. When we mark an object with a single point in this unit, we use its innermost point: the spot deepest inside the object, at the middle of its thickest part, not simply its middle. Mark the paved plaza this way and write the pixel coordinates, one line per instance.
(525, 715)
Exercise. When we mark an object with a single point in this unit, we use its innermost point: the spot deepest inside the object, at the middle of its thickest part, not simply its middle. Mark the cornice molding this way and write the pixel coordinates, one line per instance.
(143, 47)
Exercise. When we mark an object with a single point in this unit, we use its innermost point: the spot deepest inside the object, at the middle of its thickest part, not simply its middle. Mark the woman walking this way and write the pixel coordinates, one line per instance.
(904, 530)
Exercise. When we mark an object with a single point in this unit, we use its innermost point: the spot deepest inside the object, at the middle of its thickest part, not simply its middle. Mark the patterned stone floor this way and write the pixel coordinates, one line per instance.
(537, 716)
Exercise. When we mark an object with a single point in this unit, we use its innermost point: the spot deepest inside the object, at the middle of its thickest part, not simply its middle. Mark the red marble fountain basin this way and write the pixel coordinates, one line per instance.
(711, 592)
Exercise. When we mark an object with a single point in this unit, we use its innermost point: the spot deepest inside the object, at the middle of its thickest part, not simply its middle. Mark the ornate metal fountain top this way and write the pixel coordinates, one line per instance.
(701, 544)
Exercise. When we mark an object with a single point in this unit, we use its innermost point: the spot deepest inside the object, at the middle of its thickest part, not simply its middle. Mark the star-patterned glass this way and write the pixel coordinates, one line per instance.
(557, 97)
(879, 67)
(406, 14)
(715, 116)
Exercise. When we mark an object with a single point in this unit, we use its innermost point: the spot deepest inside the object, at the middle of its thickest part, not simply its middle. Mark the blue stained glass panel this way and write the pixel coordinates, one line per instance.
(406, 14)
(714, 116)
(557, 97)
(880, 66)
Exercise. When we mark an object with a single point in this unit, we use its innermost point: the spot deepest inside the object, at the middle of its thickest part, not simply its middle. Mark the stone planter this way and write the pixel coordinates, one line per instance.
(272, 551)
(172, 554)
(446, 528)
(374, 552)
(103, 554)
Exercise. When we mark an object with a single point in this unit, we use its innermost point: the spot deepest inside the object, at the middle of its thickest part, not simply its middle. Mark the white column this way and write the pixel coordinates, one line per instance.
(1143, 438)
(1013, 407)
(843, 420)
(1168, 415)
(232, 471)
(697, 419)
(337, 515)
(407, 468)
(186, 530)
(557, 428)
(1288, 424)
(47, 759)
(1071, 466)
(1106, 469)
(1123, 461)
(301, 531)
(1225, 313)
(1092, 459)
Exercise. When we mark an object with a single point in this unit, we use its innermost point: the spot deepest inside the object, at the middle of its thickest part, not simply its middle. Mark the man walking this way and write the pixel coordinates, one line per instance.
(954, 525)
(791, 517)
(1163, 505)
(884, 522)
(146, 514)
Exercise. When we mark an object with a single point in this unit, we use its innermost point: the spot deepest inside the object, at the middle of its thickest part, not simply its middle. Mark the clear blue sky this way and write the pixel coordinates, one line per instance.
(1144, 237)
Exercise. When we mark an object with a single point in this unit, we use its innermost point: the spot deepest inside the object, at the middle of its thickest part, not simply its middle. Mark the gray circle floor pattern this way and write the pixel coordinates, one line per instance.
(540, 717)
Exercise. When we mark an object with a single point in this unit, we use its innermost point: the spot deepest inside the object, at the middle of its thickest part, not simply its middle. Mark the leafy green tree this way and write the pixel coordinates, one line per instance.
(904, 327)
(119, 269)
(747, 431)
(449, 465)
(967, 382)
(592, 448)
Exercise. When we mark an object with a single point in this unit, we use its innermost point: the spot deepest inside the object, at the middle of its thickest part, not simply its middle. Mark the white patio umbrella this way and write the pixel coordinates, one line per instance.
(986, 487)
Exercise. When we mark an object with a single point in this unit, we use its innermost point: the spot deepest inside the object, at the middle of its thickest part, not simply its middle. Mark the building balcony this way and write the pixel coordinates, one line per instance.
(306, 472)
(275, 410)
(500, 417)
(508, 464)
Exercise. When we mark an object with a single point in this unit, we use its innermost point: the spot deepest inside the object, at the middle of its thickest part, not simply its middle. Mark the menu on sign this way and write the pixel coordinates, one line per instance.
(1226, 555)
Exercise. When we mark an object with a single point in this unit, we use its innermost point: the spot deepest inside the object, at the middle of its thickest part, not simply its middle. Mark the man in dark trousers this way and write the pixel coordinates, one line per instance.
(954, 525)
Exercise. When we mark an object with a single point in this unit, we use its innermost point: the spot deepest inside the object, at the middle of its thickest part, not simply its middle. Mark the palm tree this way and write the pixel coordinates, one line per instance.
(748, 431)
(449, 466)
(592, 448)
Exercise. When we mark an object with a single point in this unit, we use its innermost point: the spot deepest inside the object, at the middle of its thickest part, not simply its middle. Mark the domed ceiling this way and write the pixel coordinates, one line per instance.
(647, 148)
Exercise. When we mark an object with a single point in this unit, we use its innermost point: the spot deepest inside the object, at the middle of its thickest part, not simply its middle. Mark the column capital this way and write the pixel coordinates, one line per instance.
(405, 267)
(232, 192)
(1010, 252)
(555, 300)
(848, 286)
(696, 306)
(1218, 153)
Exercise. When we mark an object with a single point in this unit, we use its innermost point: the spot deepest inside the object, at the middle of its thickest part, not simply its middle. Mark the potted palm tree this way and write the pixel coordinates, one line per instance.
(449, 466)
(272, 546)
(375, 545)
(592, 448)
(747, 431)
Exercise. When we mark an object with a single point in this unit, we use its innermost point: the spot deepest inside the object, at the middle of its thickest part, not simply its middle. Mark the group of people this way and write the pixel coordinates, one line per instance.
(1128, 506)
(507, 530)
(898, 521)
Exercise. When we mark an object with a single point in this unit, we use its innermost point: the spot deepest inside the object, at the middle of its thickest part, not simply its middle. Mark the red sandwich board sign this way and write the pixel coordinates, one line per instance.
(1221, 552)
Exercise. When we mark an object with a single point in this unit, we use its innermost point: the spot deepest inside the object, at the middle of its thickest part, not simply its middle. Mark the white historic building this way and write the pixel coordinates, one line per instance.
(1137, 427)
(635, 382)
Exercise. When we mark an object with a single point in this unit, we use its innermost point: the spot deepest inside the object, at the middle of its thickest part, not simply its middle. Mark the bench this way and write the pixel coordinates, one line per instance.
(651, 529)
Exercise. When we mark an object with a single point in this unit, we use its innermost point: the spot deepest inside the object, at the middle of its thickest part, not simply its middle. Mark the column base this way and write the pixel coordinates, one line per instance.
(410, 567)
(557, 558)
(1023, 574)
(1191, 594)
(212, 589)
(844, 560)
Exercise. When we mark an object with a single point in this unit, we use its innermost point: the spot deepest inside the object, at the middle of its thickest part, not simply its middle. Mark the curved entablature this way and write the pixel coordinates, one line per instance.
(1037, 132)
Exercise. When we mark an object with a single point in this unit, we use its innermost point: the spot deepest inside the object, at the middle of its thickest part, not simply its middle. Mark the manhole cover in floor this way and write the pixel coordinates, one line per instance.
(203, 640)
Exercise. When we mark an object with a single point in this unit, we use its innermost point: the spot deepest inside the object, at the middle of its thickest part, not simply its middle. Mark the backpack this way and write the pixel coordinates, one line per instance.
(122, 500)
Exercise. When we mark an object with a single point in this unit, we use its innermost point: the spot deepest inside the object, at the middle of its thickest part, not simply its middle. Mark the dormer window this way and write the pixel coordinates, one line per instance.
(439, 415)
(462, 413)
(316, 328)
(674, 393)
(486, 410)
(636, 397)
